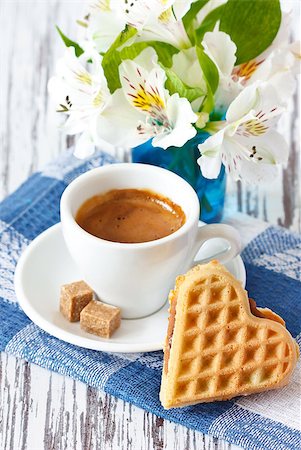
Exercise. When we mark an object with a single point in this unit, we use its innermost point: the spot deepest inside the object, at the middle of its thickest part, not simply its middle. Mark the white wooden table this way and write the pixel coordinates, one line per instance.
(43, 410)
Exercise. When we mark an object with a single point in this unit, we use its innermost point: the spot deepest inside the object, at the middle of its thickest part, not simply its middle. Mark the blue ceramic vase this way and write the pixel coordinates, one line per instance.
(183, 161)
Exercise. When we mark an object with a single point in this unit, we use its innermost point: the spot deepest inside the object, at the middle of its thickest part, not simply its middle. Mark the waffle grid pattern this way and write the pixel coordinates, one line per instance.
(231, 354)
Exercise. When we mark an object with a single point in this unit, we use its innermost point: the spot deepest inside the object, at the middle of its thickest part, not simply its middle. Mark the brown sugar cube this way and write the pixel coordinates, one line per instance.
(100, 319)
(74, 297)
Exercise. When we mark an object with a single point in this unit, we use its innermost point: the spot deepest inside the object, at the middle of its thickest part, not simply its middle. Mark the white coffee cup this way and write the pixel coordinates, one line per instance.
(137, 277)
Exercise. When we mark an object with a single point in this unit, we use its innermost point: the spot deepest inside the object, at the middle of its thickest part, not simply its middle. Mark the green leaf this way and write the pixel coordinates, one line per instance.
(164, 51)
(208, 23)
(175, 85)
(112, 59)
(114, 56)
(190, 16)
(252, 25)
(209, 68)
(208, 103)
(211, 77)
(69, 43)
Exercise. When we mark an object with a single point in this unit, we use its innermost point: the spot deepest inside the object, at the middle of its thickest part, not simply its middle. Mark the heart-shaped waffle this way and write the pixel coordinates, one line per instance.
(216, 348)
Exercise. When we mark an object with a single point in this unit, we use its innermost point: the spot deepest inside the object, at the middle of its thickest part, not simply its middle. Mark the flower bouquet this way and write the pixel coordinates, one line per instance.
(201, 84)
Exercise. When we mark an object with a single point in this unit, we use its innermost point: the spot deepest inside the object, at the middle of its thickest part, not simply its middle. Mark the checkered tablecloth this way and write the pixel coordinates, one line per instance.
(268, 420)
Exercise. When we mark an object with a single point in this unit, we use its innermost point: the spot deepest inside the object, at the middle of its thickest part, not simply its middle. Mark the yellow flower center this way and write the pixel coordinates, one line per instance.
(147, 101)
(98, 99)
(165, 16)
(84, 77)
(103, 5)
(255, 127)
(246, 70)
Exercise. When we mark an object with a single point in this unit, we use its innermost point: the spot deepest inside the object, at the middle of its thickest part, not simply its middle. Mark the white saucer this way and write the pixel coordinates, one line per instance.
(46, 265)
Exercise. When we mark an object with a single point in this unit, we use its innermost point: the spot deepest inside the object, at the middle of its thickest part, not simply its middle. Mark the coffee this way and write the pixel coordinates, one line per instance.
(130, 216)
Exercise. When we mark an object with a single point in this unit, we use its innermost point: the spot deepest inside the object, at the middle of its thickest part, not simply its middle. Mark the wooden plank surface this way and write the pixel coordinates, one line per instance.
(43, 410)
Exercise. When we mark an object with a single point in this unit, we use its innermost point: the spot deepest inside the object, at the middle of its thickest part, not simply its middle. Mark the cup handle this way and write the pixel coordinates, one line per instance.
(223, 231)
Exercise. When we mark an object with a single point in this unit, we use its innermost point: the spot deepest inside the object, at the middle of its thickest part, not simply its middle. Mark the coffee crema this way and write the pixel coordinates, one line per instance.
(130, 216)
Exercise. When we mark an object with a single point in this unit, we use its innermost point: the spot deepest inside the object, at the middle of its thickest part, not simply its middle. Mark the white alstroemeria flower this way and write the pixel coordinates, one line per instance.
(166, 118)
(102, 24)
(80, 91)
(221, 50)
(276, 65)
(278, 58)
(138, 13)
(145, 109)
(154, 19)
(245, 143)
(168, 26)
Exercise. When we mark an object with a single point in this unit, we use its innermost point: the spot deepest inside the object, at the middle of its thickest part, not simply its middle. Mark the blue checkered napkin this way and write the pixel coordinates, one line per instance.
(269, 420)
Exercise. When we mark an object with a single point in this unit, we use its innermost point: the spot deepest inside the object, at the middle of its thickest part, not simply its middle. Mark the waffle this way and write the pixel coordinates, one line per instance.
(216, 348)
